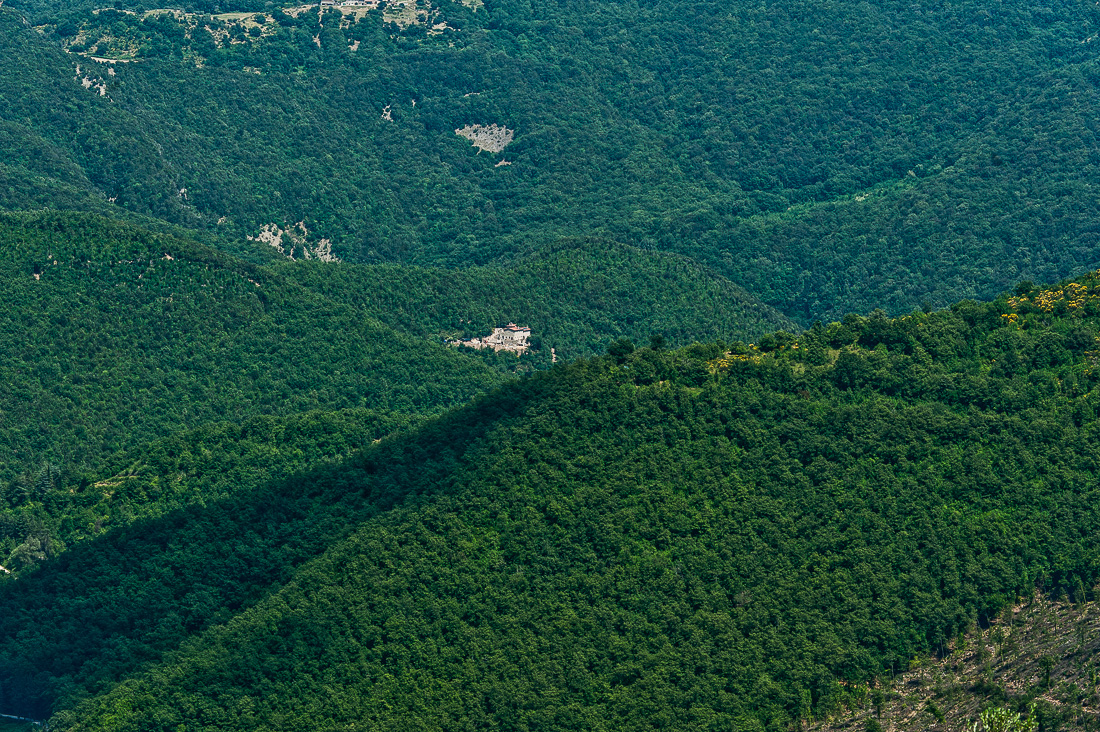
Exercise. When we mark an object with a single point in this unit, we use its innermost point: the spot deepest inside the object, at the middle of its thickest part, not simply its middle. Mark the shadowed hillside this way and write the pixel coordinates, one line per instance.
(720, 535)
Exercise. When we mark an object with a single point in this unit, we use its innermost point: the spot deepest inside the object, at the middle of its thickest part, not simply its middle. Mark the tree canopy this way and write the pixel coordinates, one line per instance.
(721, 535)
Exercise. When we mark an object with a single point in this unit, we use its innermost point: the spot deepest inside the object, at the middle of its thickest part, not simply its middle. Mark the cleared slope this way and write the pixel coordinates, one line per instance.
(1039, 651)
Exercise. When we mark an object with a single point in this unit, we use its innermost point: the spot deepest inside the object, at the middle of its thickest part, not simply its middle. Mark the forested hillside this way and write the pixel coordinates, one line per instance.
(250, 480)
(828, 157)
(577, 295)
(720, 536)
(114, 337)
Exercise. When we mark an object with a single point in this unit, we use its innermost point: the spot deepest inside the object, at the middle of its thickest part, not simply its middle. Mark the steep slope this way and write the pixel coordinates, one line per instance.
(827, 157)
(1040, 656)
(710, 538)
(577, 296)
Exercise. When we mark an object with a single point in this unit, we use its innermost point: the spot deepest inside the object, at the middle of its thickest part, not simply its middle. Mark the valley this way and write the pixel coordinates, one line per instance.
(548, 366)
(819, 191)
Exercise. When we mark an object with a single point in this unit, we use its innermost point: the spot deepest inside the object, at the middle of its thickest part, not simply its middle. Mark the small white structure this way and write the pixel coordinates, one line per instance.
(512, 337)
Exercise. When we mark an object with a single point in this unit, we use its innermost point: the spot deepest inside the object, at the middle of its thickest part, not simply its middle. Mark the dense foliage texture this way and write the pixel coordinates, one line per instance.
(237, 491)
(829, 157)
(577, 296)
(717, 537)
(113, 336)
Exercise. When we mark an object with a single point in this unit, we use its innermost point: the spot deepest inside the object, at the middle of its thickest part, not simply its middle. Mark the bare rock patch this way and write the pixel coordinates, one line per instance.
(493, 138)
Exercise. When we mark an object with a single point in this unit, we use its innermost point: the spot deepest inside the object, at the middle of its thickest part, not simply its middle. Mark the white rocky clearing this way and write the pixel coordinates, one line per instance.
(492, 138)
(293, 240)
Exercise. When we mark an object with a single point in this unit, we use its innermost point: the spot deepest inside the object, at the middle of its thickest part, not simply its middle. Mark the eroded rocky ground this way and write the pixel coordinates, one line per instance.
(1040, 651)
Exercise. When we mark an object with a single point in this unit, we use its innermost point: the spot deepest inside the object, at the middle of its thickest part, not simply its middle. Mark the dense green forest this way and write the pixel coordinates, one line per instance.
(115, 337)
(721, 536)
(829, 157)
(577, 295)
(249, 480)
(47, 508)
